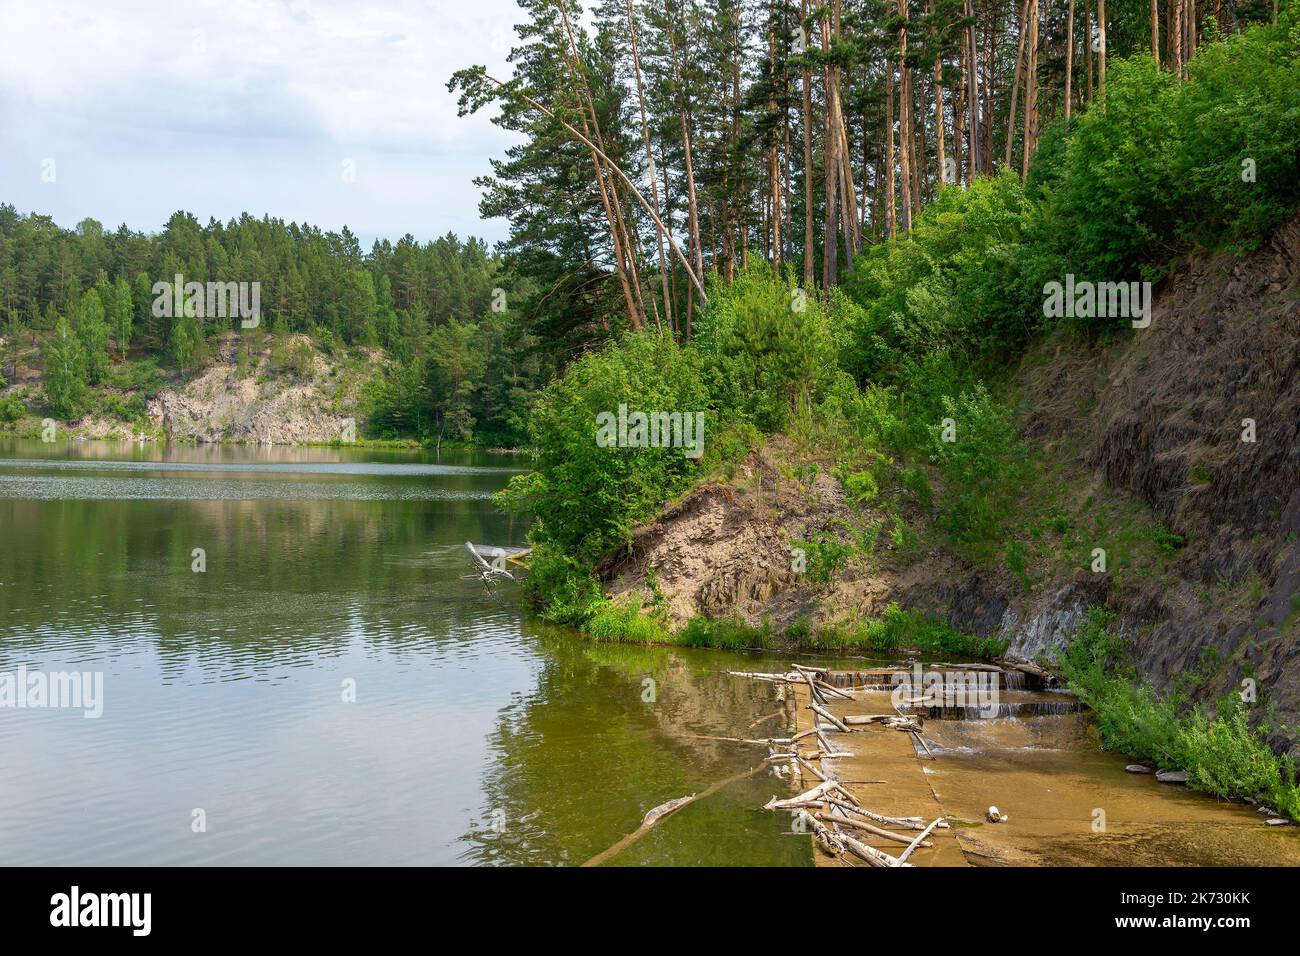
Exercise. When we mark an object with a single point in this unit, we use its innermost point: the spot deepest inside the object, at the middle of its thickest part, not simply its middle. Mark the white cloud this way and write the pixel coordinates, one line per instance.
(240, 94)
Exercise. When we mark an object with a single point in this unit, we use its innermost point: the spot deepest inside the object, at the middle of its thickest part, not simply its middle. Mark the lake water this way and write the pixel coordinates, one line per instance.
(336, 686)
(475, 736)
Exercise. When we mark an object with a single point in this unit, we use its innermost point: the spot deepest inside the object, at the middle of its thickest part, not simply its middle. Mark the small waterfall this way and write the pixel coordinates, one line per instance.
(1023, 708)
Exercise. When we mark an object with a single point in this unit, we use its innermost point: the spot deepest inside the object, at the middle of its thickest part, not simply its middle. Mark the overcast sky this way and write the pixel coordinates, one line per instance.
(225, 106)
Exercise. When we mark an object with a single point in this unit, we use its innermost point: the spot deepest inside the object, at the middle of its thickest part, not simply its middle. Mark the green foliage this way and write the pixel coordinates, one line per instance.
(1226, 757)
(906, 630)
(1222, 754)
(454, 370)
(292, 354)
(982, 469)
(65, 371)
(1161, 167)
(122, 314)
(186, 342)
(765, 347)
(1166, 541)
(461, 381)
(624, 623)
(92, 329)
(861, 486)
(964, 280)
(826, 555)
(724, 634)
(128, 408)
(585, 497)
(1129, 716)
(564, 587)
(12, 408)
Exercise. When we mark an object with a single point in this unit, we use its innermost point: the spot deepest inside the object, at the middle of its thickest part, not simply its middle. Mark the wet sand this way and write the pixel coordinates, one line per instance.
(1067, 802)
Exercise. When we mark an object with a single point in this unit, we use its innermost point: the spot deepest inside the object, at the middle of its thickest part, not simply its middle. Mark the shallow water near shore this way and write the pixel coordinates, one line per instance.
(477, 735)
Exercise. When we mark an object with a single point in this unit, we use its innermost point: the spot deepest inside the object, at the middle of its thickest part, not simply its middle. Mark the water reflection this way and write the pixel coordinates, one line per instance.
(224, 689)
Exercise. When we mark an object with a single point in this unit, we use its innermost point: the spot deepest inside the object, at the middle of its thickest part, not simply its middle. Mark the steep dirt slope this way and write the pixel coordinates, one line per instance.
(1170, 411)
(1147, 430)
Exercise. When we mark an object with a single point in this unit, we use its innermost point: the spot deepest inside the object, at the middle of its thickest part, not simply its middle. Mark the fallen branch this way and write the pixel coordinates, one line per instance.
(823, 712)
(902, 857)
(833, 690)
(869, 828)
(870, 854)
(663, 810)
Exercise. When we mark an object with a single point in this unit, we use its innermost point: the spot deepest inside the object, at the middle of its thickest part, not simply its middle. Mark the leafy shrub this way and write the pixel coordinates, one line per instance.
(898, 629)
(1167, 541)
(585, 497)
(128, 408)
(982, 468)
(12, 408)
(861, 486)
(1161, 167)
(565, 588)
(964, 279)
(826, 555)
(1225, 756)
(1222, 754)
(138, 375)
(765, 345)
(1129, 717)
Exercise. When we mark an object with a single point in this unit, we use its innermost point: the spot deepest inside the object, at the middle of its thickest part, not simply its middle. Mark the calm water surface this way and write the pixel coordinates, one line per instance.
(476, 736)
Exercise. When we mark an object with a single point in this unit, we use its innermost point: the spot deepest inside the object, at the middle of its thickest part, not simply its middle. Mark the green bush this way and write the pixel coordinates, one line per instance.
(1221, 754)
(624, 624)
(586, 498)
(826, 556)
(12, 408)
(907, 630)
(765, 346)
(563, 587)
(984, 471)
(127, 408)
(963, 280)
(1161, 167)
(724, 634)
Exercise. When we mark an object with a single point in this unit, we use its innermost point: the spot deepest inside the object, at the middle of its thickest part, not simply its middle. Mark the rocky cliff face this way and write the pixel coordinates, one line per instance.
(316, 403)
(1194, 420)
(1199, 417)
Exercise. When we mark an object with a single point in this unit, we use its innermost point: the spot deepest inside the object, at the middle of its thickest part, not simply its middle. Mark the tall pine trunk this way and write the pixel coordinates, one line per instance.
(904, 118)
(1069, 58)
(940, 154)
(1031, 89)
(973, 92)
(1016, 81)
(1101, 51)
(650, 165)
(809, 246)
(1155, 30)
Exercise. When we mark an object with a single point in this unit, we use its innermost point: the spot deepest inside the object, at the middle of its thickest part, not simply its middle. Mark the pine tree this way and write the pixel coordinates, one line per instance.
(65, 371)
(92, 329)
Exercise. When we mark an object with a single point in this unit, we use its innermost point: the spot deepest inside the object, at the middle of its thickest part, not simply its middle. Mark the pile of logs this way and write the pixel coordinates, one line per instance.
(833, 815)
(813, 678)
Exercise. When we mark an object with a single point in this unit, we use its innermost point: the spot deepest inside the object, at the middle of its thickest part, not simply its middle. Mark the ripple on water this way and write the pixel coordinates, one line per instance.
(41, 487)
